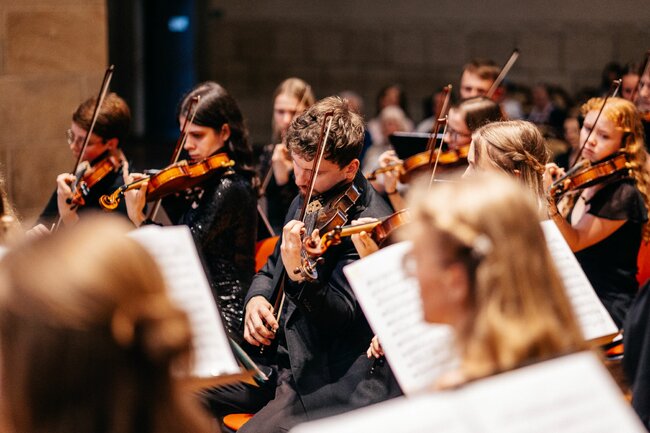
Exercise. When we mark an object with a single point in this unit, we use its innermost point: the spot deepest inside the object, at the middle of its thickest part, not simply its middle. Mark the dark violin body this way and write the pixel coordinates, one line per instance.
(92, 176)
(176, 177)
(325, 217)
(379, 231)
(590, 176)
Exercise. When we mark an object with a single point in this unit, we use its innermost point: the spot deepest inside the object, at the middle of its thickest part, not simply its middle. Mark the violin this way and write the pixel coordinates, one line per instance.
(406, 169)
(590, 175)
(326, 218)
(379, 231)
(174, 178)
(91, 176)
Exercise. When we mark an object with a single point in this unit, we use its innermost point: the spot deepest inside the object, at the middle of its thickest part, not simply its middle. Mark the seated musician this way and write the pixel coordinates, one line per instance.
(88, 335)
(515, 147)
(291, 97)
(481, 260)
(322, 329)
(462, 121)
(221, 210)
(605, 223)
(106, 141)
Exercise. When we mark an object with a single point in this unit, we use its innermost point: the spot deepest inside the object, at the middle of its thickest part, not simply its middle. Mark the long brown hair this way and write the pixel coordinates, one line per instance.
(88, 337)
(517, 310)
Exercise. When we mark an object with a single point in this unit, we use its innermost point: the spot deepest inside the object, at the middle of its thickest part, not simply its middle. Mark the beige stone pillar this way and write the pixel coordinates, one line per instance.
(52, 56)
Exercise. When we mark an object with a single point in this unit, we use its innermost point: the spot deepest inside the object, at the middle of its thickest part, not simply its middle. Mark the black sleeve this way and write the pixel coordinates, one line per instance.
(620, 200)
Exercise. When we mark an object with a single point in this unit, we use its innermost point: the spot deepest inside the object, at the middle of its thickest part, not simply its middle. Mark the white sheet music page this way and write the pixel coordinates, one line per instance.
(593, 318)
(571, 394)
(175, 252)
(418, 352)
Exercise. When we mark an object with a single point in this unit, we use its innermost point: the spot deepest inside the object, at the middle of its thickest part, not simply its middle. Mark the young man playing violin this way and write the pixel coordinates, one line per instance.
(322, 329)
(104, 147)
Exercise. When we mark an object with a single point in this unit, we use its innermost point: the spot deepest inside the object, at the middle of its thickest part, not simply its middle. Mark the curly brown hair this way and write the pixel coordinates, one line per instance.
(345, 139)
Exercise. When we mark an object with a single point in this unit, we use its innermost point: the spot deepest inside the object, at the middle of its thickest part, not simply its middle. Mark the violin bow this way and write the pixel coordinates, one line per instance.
(441, 117)
(106, 81)
(180, 143)
(613, 91)
(504, 72)
(280, 296)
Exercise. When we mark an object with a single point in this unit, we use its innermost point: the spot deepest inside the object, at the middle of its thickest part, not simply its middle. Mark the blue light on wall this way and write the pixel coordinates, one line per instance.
(178, 23)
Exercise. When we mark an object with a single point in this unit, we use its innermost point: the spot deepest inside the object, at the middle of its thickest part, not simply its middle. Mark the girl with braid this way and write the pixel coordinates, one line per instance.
(515, 147)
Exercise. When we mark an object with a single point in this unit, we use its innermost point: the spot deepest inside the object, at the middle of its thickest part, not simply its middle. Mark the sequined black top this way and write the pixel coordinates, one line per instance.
(222, 216)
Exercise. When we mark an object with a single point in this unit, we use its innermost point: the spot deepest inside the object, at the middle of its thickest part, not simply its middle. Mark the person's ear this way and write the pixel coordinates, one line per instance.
(457, 283)
(225, 132)
(352, 168)
(112, 143)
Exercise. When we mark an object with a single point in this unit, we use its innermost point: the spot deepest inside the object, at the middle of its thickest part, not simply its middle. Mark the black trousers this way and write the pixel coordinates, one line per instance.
(276, 404)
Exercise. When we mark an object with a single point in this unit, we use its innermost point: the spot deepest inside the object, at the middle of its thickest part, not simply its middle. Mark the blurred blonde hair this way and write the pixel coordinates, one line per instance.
(518, 310)
(517, 148)
(88, 336)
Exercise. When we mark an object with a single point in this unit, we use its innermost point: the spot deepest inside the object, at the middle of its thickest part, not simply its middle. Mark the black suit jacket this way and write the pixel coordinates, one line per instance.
(322, 330)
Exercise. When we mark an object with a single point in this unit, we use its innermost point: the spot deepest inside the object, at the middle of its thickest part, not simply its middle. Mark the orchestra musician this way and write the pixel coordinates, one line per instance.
(508, 309)
(88, 335)
(221, 211)
(515, 147)
(462, 121)
(291, 97)
(322, 329)
(605, 223)
(106, 141)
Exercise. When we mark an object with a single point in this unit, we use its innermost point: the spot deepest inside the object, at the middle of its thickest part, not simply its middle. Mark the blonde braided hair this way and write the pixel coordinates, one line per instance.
(516, 147)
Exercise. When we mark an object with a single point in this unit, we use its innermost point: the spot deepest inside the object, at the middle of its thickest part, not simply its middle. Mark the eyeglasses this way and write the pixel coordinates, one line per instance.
(72, 138)
(454, 135)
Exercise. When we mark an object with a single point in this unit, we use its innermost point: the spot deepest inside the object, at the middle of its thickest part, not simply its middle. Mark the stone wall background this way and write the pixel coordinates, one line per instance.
(251, 46)
(52, 56)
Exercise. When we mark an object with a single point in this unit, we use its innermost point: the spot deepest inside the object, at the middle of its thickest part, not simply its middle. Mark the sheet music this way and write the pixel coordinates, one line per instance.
(418, 352)
(175, 252)
(593, 318)
(571, 394)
